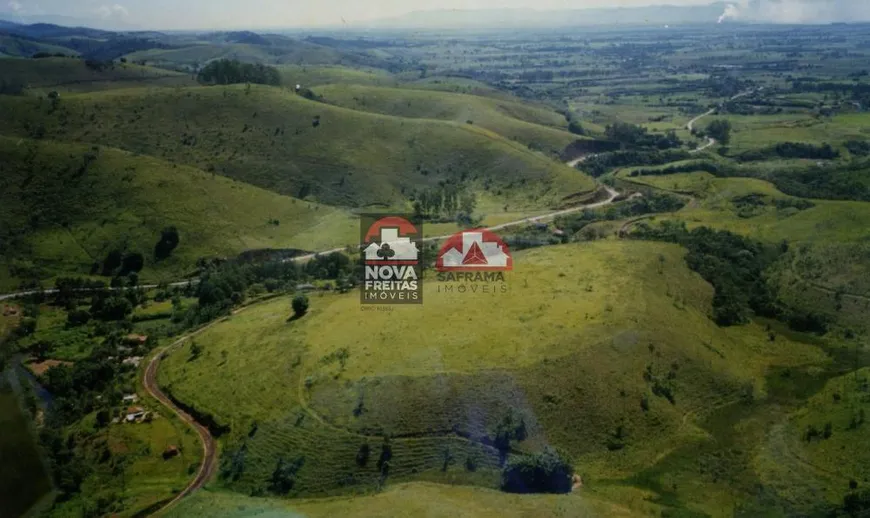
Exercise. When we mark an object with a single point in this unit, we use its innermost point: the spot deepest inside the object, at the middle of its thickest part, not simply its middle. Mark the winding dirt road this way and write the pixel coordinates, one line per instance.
(209, 452)
(208, 464)
(710, 140)
(611, 195)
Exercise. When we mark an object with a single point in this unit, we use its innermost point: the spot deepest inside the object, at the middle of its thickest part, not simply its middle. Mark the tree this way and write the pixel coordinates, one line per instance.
(362, 456)
(112, 262)
(195, 351)
(467, 203)
(168, 242)
(78, 317)
(545, 472)
(26, 327)
(576, 128)
(720, 129)
(284, 476)
(132, 262)
(300, 305)
(103, 418)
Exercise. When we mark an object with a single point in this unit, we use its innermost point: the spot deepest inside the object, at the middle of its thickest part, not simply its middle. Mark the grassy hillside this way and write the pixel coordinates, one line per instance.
(316, 75)
(72, 75)
(812, 457)
(15, 46)
(297, 53)
(565, 351)
(139, 477)
(536, 127)
(414, 499)
(282, 142)
(826, 240)
(65, 206)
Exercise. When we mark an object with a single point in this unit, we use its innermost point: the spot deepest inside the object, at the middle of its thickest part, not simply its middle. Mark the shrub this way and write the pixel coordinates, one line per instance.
(300, 305)
(78, 317)
(169, 240)
(545, 472)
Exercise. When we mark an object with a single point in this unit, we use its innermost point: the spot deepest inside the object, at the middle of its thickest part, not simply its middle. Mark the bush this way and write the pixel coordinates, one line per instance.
(545, 472)
(858, 147)
(300, 305)
(168, 242)
(576, 128)
(78, 317)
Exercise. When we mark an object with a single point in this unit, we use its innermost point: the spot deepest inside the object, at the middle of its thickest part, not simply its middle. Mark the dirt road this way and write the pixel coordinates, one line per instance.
(611, 195)
(711, 141)
(209, 451)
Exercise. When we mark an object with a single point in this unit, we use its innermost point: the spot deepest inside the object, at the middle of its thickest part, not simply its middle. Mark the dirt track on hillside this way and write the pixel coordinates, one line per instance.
(209, 452)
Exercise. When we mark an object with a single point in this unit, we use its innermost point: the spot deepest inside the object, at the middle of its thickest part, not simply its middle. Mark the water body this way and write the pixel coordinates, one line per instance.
(23, 476)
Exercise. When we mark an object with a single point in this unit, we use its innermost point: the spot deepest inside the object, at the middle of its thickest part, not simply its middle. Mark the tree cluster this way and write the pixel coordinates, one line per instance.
(604, 163)
(545, 472)
(231, 71)
(631, 136)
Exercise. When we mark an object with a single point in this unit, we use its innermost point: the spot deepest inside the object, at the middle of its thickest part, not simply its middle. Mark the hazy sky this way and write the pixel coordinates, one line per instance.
(198, 14)
(176, 14)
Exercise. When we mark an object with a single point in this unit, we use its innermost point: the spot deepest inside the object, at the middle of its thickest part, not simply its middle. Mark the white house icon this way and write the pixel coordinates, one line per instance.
(402, 247)
(475, 253)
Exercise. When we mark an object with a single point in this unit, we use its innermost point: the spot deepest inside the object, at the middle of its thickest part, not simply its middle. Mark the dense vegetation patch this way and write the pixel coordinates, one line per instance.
(545, 472)
(733, 264)
(791, 150)
(231, 71)
(604, 163)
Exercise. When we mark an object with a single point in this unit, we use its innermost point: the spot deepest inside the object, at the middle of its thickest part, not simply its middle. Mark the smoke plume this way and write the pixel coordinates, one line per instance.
(797, 11)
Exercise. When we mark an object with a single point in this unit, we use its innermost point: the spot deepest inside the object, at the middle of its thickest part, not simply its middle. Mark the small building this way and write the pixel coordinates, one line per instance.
(134, 339)
(130, 398)
(305, 287)
(133, 360)
(559, 232)
(170, 451)
(134, 413)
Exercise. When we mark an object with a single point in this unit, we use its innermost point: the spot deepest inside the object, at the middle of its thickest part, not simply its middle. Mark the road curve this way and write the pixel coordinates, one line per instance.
(710, 140)
(209, 452)
(611, 195)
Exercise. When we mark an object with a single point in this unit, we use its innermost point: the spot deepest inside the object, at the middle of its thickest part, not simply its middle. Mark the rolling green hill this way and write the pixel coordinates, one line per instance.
(812, 458)
(285, 143)
(316, 75)
(539, 128)
(826, 240)
(624, 367)
(24, 48)
(296, 53)
(73, 75)
(65, 206)
(413, 499)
